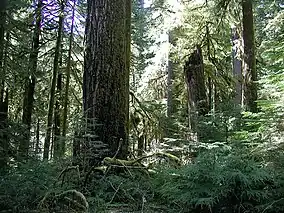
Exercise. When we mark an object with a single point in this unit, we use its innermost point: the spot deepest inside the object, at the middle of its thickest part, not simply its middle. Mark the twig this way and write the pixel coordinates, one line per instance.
(272, 204)
(140, 104)
(143, 202)
(116, 191)
(118, 149)
(63, 173)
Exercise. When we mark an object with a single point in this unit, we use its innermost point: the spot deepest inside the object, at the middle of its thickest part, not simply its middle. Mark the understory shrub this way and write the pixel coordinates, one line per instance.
(22, 188)
(131, 189)
(218, 182)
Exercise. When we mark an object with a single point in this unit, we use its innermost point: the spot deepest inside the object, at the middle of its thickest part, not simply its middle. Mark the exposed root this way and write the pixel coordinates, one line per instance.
(66, 170)
(67, 201)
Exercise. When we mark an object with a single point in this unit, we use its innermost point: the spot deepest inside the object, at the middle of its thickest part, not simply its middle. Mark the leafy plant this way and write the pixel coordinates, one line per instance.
(217, 181)
(23, 187)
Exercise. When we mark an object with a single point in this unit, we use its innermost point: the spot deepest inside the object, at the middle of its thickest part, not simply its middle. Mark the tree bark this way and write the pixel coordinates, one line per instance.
(106, 77)
(250, 74)
(128, 13)
(37, 149)
(237, 67)
(53, 83)
(4, 143)
(195, 80)
(140, 145)
(76, 149)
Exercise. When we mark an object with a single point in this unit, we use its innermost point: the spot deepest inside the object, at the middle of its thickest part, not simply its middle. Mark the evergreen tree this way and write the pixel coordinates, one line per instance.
(3, 91)
(249, 72)
(106, 77)
(67, 84)
(54, 80)
(28, 102)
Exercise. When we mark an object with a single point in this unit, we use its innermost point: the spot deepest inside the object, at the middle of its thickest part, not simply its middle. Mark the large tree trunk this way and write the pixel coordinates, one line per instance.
(106, 77)
(53, 83)
(250, 75)
(68, 72)
(197, 98)
(128, 13)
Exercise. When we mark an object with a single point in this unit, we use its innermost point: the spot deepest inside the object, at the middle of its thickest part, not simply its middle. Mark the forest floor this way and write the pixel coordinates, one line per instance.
(146, 209)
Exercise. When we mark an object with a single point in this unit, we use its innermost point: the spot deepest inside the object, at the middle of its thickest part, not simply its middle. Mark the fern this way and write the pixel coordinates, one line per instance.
(215, 182)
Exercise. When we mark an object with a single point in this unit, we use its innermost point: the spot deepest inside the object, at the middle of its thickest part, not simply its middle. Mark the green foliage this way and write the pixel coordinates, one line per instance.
(239, 167)
(13, 133)
(218, 181)
(221, 125)
(23, 187)
(41, 187)
(141, 42)
(129, 189)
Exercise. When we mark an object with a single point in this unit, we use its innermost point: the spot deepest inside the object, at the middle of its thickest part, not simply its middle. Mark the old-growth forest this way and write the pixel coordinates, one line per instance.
(141, 106)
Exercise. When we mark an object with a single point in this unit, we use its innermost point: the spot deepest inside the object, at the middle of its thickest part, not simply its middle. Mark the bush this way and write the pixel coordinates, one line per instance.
(216, 182)
(131, 189)
(22, 188)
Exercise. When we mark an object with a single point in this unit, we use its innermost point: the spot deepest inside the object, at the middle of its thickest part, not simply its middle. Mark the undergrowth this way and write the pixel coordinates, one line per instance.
(218, 182)
(22, 187)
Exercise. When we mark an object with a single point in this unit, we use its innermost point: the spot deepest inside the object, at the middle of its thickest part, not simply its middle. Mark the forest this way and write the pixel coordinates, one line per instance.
(149, 106)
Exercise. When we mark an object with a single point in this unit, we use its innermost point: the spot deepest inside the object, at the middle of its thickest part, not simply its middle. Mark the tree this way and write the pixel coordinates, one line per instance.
(57, 141)
(30, 83)
(3, 94)
(3, 128)
(106, 76)
(195, 80)
(250, 74)
(2, 28)
(53, 83)
(67, 85)
(2, 42)
(237, 66)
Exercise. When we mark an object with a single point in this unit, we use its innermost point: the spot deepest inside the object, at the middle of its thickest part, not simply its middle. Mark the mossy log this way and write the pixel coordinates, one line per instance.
(136, 163)
(64, 202)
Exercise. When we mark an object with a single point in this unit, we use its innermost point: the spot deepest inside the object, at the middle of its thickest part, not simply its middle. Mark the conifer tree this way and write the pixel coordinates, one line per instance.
(31, 82)
(106, 77)
(249, 72)
(3, 95)
(53, 83)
